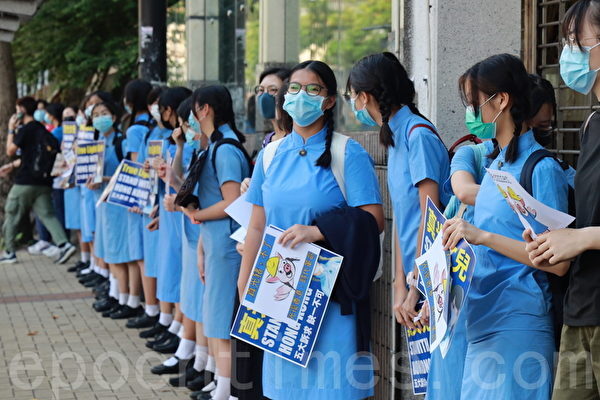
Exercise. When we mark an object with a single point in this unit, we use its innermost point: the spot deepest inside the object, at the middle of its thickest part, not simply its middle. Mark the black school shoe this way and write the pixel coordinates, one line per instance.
(181, 365)
(161, 337)
(106, 304)
(204, 378)
(92, 283)
(203, 394)
(167, 347)
(156, 330)
(88, 277)
(186, 376)
(145, 321)
(116, 307)
(127, 312)
(78, 266)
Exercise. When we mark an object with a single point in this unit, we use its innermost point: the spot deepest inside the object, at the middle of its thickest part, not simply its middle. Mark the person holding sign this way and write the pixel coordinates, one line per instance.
(111, 233)
(297, 187)
(509, 324)
(225, 168)
(382, 94)
(134, 100)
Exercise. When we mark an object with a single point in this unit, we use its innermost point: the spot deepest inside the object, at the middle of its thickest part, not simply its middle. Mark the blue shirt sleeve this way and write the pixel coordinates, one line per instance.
(255, 194)
(135, 137)
(362, 186)
(550, 185)
(229, 164)
(428, 158)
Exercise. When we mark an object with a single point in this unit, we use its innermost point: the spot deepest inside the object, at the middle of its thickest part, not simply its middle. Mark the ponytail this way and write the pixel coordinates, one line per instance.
(325, 158)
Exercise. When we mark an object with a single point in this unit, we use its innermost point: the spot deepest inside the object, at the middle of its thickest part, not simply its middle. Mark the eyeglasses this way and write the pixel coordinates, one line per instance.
(572, 41)
(312, 89)
(272, 90)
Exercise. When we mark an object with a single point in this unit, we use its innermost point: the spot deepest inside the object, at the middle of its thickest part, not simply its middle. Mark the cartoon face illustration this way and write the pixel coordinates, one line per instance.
(282, 270)
(439, 291)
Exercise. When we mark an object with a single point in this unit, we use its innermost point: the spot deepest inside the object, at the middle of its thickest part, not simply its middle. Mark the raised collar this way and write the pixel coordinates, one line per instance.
(317, 138)
(223, 132)
(401, 116)
(525, 142)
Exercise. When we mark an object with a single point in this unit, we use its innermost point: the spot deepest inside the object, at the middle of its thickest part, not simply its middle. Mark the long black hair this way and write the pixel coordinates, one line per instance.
(136, 93)
(56, 111)
(219, 99)
(284, 122)
(328, 77)
(575, 18)
(385, 78)
(542, 92)
(173, 97)
(184, 109)
(501, 73)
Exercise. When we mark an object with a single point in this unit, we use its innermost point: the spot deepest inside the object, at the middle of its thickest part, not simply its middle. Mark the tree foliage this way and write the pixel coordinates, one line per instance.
(78, 41)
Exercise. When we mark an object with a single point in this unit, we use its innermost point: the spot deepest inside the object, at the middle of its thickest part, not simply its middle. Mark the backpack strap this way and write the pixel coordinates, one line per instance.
(426, 126)
(526, 179)
(235, 143)
(585, 125)
(467, 138)
(338, 160)
(118, 145)
(269, 154)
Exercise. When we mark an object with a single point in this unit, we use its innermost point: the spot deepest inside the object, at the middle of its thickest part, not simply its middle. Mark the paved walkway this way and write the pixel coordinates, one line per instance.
(54, 346)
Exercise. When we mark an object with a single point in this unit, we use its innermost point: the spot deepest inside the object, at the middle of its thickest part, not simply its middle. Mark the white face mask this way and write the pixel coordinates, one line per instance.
(154, 112)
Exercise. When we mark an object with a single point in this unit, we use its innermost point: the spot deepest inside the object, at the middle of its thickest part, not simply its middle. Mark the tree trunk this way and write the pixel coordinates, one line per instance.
(8, 95)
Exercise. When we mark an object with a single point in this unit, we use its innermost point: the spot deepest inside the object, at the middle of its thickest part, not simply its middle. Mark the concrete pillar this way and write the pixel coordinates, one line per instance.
(279, 35)
(202, 28)
(443, 39)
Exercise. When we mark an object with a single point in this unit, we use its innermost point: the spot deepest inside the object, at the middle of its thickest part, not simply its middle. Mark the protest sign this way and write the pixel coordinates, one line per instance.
(293, 342)
(417, 343)
(129, 186)
(69, 133)
(85, 134)
(89, 162)
(533, 214)
(155, 150)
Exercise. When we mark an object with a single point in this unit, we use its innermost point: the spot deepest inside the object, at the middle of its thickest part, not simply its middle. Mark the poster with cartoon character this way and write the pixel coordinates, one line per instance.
(434, 270)
(280, 277)
(533, 214)
(293, 342)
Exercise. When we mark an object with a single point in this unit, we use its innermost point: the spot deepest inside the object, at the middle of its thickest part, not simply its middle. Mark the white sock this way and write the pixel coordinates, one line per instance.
(113, 291)
(201, 358)
(96, 269)
(210, 364)
(133, 301)
(211, 386)
(185, 350)
(180, 333)
(85, 256)
(152, 310)
(223, 388)
(86, 271)
(104, 272)
(174, 327)
(170, 362)
(233, 398)
(165, 319)
(123, 298)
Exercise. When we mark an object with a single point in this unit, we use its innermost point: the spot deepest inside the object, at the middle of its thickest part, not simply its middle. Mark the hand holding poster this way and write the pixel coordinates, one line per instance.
(293, 341)
(89, 162)
(533, 214)
(129, 186)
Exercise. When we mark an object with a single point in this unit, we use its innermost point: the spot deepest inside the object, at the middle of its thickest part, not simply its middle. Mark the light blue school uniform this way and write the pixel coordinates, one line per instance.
(150, 239)
(73, 208)
(168, 282)
(295, 191)
(135, 141)
(88, 214)
(221, 260)
(192, 288)
(509, 324)
(112, 231)
(446, 373)
(414, 158)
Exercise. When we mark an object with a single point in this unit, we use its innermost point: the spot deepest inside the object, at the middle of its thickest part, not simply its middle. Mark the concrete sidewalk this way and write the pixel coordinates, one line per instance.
(54, 346)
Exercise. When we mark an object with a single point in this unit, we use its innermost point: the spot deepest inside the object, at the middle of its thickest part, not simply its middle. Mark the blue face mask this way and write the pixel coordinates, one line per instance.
(38, 115)
(102, 123)
(88, 111)
(575, 68)
(363, 115)
(47, 119)
(80, 120)
(128, 109)
(303, 109)
(266, 105)
(189, 139)
(193, 123)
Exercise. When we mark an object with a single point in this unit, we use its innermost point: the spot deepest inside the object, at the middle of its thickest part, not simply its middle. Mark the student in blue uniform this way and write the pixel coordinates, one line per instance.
(134, 100)
(509, 325)
(111, 232)
(169, 253)
(150, 237)
(219, 186)
(418, 165)
(297, 187)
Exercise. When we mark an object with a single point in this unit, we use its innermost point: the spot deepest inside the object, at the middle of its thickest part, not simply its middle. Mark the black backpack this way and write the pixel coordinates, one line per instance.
(45, 150)
(558, 284)
(184, 195)
(118, 144)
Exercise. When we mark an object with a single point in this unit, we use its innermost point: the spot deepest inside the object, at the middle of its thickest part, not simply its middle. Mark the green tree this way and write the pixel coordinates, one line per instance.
(79, 42)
